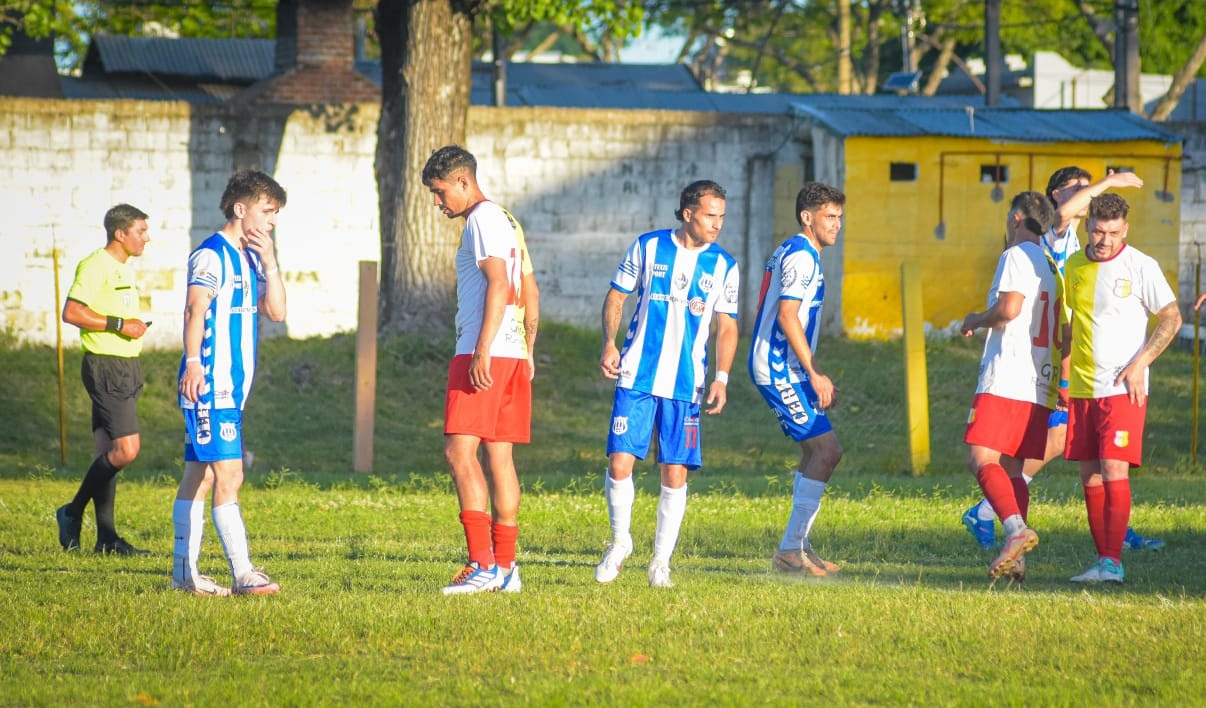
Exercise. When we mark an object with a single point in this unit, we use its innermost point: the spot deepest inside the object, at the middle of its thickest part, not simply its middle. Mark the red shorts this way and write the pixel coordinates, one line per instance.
(1108, 428)
(1014, 428)
(501, 413)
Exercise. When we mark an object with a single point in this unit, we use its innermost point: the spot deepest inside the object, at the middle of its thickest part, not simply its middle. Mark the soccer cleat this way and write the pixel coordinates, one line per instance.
(119, 547)
(69, 529)
(473, 578)
(1092, 575)
(1135, 542)
(511, 581)
(1111, 571)
(659, 574)
(1021, 542)
(255, 582)
(1018, 572)
(201, 586)
(983, 531)
(613, 558)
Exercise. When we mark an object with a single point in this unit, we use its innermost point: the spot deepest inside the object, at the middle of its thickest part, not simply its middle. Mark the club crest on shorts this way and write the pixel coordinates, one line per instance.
(227, 432)
(619, 425)
(1122, 438)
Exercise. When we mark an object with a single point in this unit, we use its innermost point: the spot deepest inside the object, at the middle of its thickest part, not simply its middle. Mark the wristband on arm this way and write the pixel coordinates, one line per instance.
(114, 324)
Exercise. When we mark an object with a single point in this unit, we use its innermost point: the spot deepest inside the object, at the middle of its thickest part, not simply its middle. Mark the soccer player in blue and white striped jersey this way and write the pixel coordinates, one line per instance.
(232, 277)
(684, 281)
(784, 368)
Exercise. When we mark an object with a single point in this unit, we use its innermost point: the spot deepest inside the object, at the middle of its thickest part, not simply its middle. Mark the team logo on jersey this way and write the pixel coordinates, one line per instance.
(619, 425)
(1122, 288)
(706, 283)
(1122, 438)
(730, 294)
(696, 306)
(227, 432)
(681, 281)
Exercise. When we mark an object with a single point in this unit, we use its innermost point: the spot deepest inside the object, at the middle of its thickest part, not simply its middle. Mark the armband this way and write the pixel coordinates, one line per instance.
(190, 359)
(723, 377)
(114, 324)
(270, 271)
(1063, 383)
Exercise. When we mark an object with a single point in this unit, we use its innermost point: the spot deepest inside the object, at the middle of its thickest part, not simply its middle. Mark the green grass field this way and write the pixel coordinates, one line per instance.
(911, 618)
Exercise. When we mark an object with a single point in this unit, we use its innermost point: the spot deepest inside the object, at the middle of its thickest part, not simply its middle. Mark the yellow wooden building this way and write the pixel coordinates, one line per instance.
(933, 184)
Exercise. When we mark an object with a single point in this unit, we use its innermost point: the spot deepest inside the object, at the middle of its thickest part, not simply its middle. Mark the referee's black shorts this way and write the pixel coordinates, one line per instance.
(114, 384)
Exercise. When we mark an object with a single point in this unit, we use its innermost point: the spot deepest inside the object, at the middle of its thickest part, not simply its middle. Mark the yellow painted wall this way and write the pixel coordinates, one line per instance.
(890, 222)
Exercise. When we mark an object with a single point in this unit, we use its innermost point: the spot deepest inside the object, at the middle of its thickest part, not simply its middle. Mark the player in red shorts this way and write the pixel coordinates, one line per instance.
(1008, 419)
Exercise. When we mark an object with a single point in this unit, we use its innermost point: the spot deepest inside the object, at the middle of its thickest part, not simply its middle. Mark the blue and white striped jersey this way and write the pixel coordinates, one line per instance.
(792, 273)
(1059, 246)
(228, 347)
(678, 290)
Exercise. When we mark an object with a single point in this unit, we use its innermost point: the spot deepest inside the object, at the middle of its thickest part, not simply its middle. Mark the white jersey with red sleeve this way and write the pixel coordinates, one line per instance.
(490, 232)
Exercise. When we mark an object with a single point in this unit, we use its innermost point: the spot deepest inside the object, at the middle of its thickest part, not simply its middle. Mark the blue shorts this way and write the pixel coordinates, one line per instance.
(795, 405)
(634, 415)
(201, 444)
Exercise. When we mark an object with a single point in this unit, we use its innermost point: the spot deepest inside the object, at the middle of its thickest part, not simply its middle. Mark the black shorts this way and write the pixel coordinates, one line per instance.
(114, 384)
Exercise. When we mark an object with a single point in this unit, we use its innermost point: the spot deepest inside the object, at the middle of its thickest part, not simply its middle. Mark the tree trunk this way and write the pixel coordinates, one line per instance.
(1180, 80)
(845, 70)
(426, 53)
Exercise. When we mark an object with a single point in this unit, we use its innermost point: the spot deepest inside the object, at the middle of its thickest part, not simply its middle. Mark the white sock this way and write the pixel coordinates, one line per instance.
(671, 507)
(1013, 524)
(1028, 478)
(620, 494)
(985, 512)
(805, 504)
(228, 520)
(188, 518)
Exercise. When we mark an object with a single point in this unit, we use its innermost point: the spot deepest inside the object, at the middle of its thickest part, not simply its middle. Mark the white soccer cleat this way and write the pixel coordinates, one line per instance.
(659, 575)
(473, 578)
(613, 558)
(1092, 575)
(511, 581)
(201, 586)
(255, 582)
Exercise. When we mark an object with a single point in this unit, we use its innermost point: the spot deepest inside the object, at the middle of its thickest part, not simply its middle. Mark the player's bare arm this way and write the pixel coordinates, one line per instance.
(613, 312)
(1132, 375)
(78, 314)
(497, 287)
(530, 296)
(1006, 309)
(1078, 203)
(726, 351)
(192, 382)
(789, 320)
(1201, 299)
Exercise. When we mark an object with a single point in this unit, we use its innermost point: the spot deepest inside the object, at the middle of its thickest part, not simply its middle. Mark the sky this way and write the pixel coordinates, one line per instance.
(652, 47)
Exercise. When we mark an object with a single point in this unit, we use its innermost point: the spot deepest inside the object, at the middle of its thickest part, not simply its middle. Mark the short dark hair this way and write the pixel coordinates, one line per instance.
(694, 193)
(1107, 207)
(1037, 211)
(814, 195)
(1062, 176)
(121, 218)
(447, 160)
(249, 185)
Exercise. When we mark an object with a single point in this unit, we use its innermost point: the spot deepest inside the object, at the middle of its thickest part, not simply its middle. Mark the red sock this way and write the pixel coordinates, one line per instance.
(504, 536)
(1095, 506)
(994, 482)
(477, 537)
(1021, 492)
(1117, 516)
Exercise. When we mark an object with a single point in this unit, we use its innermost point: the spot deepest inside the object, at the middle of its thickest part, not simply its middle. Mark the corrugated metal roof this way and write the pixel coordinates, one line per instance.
(244, 60)
(979, 122)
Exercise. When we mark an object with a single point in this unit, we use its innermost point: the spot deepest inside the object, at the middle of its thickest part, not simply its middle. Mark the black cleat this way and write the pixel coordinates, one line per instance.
(119, 547)
(69, 529)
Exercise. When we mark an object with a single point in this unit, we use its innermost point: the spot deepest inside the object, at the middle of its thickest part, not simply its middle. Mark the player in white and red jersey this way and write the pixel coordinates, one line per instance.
(488, 404)
(783, 365)
(1069, 191)
(1113, 289)
(684, 283)
(1008, 419)
(232, 277)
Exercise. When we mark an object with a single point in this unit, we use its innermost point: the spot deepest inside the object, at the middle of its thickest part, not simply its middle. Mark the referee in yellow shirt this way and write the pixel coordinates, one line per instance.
(103, 302)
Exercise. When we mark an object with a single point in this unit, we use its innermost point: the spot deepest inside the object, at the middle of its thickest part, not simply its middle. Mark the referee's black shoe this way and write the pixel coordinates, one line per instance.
(120, 547)
(69, 529)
